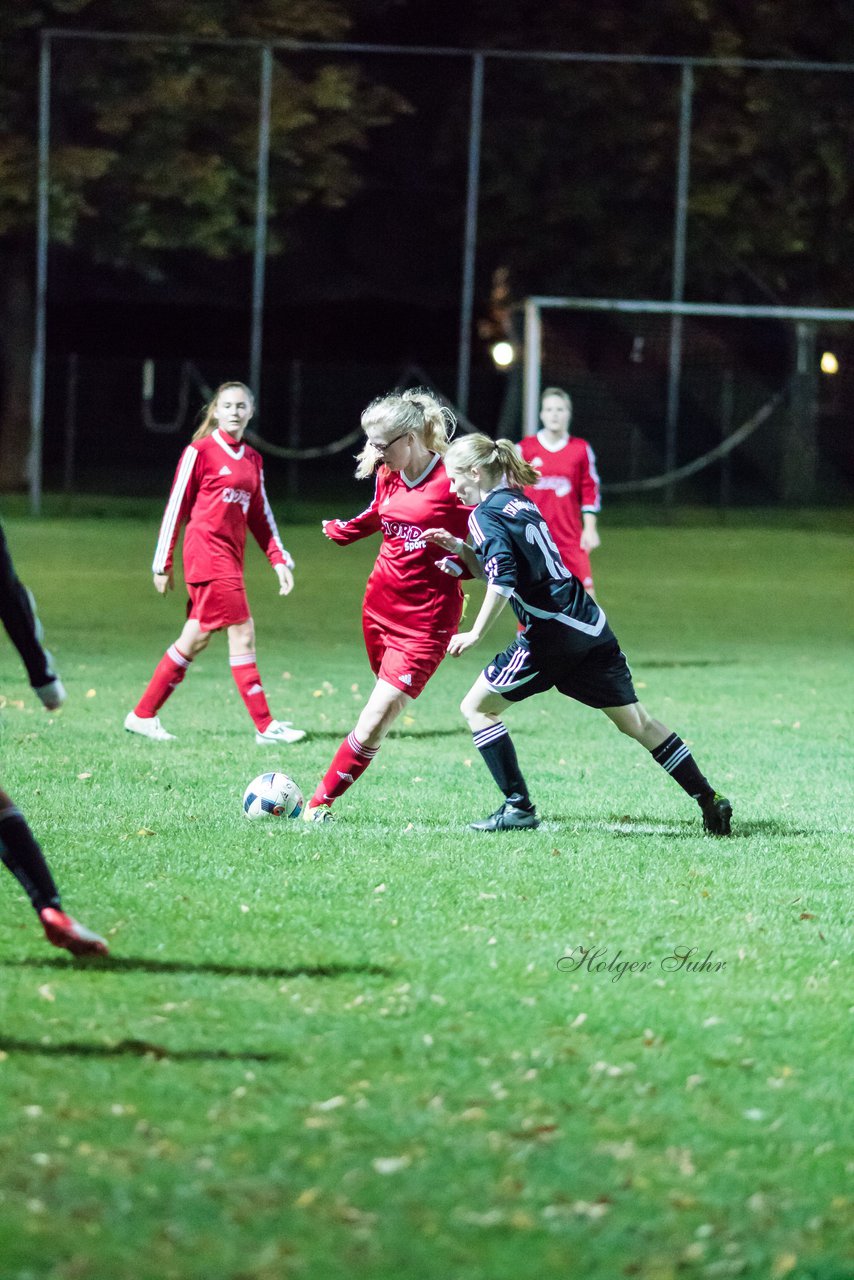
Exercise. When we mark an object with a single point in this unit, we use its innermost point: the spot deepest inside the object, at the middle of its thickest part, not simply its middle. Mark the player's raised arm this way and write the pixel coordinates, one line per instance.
(360, 526)
(458, 549)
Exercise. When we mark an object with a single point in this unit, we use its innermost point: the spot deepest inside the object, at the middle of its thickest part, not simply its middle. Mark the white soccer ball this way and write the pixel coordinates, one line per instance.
(272, 795)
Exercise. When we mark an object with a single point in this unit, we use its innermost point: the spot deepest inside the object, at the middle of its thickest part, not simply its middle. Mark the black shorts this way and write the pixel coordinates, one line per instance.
(598, 676)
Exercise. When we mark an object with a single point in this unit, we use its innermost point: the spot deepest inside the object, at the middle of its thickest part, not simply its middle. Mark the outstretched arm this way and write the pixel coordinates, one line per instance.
(360, 526)
(493, 604)
(456, 547)
(346, 531)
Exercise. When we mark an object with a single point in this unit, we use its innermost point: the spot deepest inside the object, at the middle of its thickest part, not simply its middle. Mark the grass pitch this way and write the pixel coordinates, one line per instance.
(363, 1050)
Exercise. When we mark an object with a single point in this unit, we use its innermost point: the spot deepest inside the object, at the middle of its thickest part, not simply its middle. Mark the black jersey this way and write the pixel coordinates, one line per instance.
(519, 557)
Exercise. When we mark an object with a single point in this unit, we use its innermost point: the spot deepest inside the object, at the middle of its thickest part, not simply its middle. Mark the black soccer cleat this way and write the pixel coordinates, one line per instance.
(717, 812)
(510, 817)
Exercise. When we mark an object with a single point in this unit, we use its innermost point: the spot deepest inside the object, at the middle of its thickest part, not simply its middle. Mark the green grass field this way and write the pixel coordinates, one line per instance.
(351, 1051)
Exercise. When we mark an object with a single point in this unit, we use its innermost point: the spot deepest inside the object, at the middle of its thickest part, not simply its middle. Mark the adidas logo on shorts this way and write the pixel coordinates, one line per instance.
(407, 679)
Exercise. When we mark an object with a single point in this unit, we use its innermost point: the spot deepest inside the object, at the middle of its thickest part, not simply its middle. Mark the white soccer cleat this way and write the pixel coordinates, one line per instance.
(52, 694)
(318, 813)
(279, 731)
(147, 727)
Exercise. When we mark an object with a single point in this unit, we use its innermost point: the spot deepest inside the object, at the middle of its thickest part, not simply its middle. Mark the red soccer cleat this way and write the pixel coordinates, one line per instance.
(64, 931)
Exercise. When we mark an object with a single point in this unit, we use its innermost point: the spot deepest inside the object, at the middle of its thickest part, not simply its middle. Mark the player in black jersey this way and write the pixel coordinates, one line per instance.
(566, 642)
(19, 617)
(19, 849)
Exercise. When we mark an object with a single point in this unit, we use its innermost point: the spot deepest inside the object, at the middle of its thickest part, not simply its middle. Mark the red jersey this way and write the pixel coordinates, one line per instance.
(219, 490)
(406, 591)
(569, 485)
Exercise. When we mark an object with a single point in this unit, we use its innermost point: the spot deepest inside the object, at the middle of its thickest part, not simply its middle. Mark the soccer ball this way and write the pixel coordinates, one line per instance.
(272, 795)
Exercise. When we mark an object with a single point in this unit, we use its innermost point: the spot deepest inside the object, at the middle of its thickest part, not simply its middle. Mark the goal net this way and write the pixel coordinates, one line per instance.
(729, 402)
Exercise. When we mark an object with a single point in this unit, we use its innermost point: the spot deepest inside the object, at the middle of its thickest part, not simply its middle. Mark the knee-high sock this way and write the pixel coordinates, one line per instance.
(20, 852)
(676, 759)
(248, 680)
(499, 755)
(349, 763)
(168, 674)
(19, 617)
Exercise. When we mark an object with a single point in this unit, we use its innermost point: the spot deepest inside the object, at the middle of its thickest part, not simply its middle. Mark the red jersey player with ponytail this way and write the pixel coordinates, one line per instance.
(411, 606)
(219, 491)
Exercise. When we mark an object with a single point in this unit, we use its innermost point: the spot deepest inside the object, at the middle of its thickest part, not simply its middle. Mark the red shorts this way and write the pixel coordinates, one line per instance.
(578, 562)
(406, 662)
(217, 604)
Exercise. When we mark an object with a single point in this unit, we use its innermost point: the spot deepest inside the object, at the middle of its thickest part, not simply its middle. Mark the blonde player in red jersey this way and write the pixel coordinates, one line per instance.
(411, 606)
(219, 491)
(567, 492)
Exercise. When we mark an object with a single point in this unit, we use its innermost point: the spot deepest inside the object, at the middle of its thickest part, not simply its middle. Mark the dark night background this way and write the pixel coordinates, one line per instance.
(576, 196)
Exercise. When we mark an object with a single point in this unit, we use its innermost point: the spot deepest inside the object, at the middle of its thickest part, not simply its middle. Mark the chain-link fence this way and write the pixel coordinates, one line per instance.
(440, 197)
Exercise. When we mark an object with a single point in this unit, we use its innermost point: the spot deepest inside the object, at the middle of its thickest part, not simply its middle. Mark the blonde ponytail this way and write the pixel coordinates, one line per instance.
(494, 458)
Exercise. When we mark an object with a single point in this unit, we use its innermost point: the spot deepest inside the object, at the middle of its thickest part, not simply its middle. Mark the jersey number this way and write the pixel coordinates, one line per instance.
(545, 542)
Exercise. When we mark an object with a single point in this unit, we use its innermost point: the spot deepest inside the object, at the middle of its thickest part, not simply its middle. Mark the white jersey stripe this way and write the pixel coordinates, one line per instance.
(476, 531)
(596, 505)
(271, 521)
(168, 525)
(589, 628)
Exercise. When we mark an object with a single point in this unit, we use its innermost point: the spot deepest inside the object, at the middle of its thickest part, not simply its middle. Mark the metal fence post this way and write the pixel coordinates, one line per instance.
(678, 286)
(799, 463)
(37, 372)
(470, 235)
(262, 191)
(533, 360)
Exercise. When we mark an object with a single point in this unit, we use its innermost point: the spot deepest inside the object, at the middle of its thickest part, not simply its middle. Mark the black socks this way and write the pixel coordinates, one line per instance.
(676, 759)
(499, 754)
(20, 852)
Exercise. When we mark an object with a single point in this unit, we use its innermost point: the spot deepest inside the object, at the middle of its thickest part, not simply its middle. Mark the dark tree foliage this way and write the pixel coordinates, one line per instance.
(153, 147)
(579, 161)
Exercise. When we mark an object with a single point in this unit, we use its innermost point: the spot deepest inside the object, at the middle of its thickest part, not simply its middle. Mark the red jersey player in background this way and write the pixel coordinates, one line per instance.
(411, 607)
(568, 491)
(218, 490)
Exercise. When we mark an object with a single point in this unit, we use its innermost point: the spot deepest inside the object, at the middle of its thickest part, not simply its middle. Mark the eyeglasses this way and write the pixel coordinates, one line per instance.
(384, 448)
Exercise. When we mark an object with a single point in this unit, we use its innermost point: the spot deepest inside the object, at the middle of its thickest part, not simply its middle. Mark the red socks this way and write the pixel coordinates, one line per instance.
(172, 668)
(168, 674)
(248, 681)
(349, 763)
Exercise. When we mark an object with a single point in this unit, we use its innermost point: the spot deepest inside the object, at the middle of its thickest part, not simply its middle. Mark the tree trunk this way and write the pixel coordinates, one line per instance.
(16, 336)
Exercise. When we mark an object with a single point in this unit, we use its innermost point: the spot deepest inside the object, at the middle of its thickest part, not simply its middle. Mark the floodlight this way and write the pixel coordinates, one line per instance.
(503, 354)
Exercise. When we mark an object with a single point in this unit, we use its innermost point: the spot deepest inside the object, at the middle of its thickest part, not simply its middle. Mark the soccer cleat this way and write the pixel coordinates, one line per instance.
(63, 931)
(279, 731)
(52, 694)
(317, 813)
(717, 812)
(510, 817)
(147, 727)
